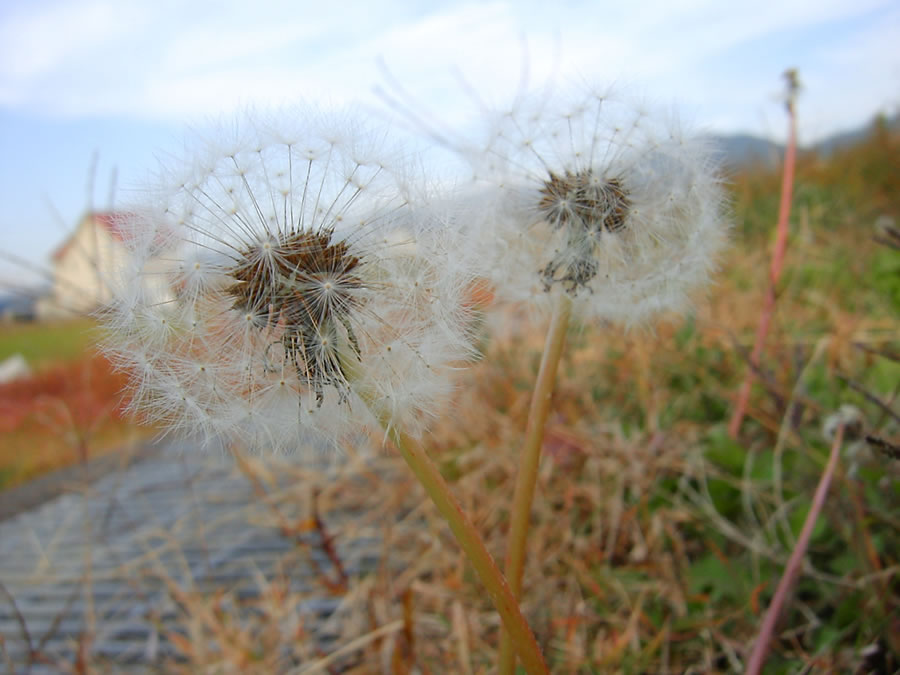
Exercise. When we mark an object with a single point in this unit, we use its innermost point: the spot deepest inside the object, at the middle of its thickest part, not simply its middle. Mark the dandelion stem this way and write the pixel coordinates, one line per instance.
(470, 541)
(472, 545)
(530, 459)
(514, 623)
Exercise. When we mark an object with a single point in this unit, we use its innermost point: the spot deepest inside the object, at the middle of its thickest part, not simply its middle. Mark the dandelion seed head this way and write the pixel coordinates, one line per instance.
(291, 266)
(599, 199)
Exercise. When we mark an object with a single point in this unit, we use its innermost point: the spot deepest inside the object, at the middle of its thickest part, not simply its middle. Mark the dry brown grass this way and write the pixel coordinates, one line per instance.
(622, 517)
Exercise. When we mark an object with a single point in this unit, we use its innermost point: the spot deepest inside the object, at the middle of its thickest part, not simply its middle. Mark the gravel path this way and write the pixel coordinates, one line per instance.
(90, 571)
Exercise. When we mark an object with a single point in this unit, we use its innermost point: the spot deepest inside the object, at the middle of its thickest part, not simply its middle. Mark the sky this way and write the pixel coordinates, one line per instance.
(94, 92)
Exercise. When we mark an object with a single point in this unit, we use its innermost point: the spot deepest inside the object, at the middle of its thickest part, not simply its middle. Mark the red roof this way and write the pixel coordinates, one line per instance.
(111, 221)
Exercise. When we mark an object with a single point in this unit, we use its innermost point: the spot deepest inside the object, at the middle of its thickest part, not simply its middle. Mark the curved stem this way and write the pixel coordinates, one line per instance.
(530, 461)
(514, 623)
(466, 535)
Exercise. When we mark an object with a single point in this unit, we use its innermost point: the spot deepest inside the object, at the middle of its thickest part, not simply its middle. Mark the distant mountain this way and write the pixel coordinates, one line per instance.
(740, 150)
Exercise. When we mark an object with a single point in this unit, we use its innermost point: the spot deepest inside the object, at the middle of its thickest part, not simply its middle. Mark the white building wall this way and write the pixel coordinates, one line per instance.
(89, 268)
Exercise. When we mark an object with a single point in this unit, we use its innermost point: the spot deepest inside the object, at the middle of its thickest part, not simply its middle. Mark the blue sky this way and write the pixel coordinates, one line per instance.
(123, 80)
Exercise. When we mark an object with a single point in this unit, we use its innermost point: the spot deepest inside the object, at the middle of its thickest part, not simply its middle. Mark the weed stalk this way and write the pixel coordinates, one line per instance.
(761, 647)
(784, 210)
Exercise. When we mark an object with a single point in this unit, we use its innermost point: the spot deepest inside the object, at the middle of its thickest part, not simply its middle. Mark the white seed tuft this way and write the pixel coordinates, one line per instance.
(298, 291)
(596, 198)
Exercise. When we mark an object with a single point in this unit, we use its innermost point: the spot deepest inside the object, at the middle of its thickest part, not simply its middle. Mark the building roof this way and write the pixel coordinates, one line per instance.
(111, 221)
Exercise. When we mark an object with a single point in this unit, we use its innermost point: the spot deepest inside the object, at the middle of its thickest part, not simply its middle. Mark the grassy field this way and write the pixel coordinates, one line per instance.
(48, 342)
(657, 541)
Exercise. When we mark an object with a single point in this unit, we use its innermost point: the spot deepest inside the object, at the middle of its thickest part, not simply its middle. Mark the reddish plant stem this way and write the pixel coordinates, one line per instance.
(327, 543)
(765, 317)
(761, 648)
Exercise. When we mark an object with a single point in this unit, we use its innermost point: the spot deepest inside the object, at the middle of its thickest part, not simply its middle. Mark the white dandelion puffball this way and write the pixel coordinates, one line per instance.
(283, 291)
(597, 199)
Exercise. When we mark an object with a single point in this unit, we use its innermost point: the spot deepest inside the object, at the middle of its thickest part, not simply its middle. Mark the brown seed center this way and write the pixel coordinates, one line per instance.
(305, 283)
(583, 206)
(579, 199)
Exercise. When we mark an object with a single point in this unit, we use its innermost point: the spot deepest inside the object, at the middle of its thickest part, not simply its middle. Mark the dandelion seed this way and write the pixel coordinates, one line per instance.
(287, 293)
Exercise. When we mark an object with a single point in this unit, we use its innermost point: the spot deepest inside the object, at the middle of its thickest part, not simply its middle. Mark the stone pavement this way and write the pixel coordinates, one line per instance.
(89, 570)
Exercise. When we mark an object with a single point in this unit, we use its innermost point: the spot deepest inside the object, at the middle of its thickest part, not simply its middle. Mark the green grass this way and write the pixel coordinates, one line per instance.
(44, 343)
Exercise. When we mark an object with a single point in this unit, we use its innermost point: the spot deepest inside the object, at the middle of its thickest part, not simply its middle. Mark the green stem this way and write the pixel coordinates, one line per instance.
(470, 541)
(529, 462)
(514, 622)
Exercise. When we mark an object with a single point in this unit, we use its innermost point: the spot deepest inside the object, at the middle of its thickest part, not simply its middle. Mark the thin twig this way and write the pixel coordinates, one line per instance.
(892, 239)
(761, 648)
(349, 648)
(869, 396)
(23, 626)
(884, 351)
(327, 542)
(764, 376)
(885, 447)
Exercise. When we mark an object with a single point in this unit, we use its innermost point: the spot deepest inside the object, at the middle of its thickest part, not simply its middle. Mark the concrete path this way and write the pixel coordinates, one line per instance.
(91, 571)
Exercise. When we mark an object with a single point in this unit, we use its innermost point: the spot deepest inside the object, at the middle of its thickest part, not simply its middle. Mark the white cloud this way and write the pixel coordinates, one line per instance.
(206, 47)
(169, 60)
(858, 72)
(40, 40)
